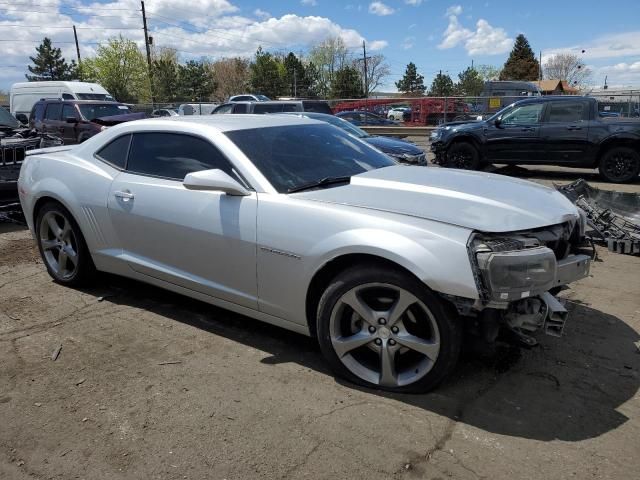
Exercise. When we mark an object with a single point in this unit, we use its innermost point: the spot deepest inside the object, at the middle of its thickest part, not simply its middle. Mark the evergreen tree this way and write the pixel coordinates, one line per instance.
(470, 83)
(522, 63)
(49, 64)
(165, 75)
(267, 75)
(294, 75)
(442, 86)
(195, 80)
(347, 83)
(411, 82)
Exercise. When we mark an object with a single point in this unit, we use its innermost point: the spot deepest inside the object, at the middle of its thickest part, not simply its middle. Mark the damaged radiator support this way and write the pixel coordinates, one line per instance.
(614, 217)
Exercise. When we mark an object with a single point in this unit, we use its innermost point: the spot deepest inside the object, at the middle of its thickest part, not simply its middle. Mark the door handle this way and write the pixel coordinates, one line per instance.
(125, 196)
(574, 127)
(528, 129)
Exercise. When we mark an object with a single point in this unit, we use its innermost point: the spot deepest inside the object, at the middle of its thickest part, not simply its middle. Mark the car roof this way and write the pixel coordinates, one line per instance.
(222, 123)
(80, 102)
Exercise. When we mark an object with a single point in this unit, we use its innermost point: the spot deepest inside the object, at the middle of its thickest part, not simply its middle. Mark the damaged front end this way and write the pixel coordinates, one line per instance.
(518, 275)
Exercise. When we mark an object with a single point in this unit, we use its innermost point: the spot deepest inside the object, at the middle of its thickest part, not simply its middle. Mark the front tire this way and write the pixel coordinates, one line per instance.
(462, 155)
(381, 328)
(62, 246)
(619, 165)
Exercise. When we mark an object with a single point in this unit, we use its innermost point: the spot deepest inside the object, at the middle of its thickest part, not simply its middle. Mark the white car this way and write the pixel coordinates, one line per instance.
(397, 113)
(298, 223)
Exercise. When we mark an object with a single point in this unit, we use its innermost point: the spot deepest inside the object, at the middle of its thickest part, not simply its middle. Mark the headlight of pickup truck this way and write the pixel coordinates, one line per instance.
(510, 270)
(436, 134)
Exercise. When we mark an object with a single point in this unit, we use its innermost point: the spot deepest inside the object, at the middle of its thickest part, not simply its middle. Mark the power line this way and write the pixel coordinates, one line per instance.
(71, 26)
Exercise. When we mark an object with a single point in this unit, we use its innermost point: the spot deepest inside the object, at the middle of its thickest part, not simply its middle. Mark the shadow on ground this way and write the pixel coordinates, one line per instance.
(568, 388)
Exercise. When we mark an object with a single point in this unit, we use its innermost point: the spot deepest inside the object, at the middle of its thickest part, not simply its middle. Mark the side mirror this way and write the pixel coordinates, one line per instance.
(71, 120)
(214, 180)
(498, 122)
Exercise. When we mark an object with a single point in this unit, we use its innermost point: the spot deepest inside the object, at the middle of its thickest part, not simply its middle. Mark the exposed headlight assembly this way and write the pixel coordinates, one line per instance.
(512, 269)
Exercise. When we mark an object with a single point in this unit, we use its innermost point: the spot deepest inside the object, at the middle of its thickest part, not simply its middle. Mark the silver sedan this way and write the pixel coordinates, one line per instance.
(297, 223)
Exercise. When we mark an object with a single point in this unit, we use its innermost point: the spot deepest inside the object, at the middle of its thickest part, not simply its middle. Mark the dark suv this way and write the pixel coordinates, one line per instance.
(274, 106)
(77, 120)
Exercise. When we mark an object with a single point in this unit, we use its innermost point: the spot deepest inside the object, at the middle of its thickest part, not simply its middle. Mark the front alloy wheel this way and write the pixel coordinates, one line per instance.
(620, 164)
(391, 333)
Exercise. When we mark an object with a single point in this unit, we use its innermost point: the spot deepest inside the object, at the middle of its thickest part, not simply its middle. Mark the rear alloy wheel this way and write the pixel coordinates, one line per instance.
(381, 328)
(62, 246)
(620, 164)
(462, 155)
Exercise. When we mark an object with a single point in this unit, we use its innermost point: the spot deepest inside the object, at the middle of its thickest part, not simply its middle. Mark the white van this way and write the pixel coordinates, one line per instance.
(24, 95)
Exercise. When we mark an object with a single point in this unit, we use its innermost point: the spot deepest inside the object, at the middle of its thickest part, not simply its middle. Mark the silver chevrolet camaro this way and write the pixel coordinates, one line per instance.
(295, 222)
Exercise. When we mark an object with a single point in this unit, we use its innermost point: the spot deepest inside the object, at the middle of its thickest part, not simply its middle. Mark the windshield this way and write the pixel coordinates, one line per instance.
(8, 120)
(346, 126)
(92, 111)
(292, 156)
(95, 96)
(262, 98)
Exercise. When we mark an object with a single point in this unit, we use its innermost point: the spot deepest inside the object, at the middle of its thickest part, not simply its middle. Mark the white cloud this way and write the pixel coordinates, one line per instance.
(378, 45)
(415, 3)
(309, 3)
(454, 10)
(408, 43)
(616, 45)
(484, 40)
(258, 12)
(380, 9)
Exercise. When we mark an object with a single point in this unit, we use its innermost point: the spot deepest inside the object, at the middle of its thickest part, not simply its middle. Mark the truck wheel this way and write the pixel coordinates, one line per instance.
(462, 155)
(619, 165)
(383, 329)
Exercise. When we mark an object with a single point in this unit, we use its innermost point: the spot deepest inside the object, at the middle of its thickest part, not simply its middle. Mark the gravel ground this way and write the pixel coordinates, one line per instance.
(153, 385)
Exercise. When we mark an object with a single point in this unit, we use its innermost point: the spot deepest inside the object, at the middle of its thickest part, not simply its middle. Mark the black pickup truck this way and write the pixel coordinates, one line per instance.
(564, 131)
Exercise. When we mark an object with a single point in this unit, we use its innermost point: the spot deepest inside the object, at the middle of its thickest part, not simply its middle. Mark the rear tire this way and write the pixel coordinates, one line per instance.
(400, 336)
(62, 246)
(619, 165)
(462, 155)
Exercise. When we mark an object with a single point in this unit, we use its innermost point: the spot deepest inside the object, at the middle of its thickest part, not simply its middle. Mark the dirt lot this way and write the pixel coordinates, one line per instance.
(151, 385)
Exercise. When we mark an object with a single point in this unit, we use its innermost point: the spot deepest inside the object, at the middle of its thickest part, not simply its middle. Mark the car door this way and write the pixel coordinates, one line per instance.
(564, 132)
(515, 137)
(69, 130)
(201, 240)
(51, 123)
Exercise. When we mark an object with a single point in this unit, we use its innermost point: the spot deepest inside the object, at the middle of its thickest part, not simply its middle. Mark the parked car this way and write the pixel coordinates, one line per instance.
(196, 108)
(566, 131)
(297, 223)
(77, 120)
(164, 112)
(400, 150)
(23, 96)
(274, 106)
(399, 114)
(248, 98)
(363, 119)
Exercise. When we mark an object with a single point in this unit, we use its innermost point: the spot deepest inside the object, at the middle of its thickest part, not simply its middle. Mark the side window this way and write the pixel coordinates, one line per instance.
(567, 111)
(37, 112)
(67, 96)
(240, 108)
(523, 114)
(224, 109)
(267, 108)
(173, 155)
(68, 111)
(53, 111)
(290, 107)
(116, 152)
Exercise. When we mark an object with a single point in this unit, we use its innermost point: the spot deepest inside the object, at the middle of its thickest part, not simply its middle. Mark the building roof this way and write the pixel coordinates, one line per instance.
(553, 85)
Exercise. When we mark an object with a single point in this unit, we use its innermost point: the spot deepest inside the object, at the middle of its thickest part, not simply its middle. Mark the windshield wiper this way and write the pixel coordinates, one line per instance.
(320, 183)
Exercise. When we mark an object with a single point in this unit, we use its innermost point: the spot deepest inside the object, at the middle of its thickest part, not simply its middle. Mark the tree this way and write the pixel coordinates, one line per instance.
(49, 64)
(442, 86)
(267, 75)
(488, 72)
(195, 81)
(120, 67)
(165, 74)
(569, 67)
(347, 83)
(377, 71)
(522, 63)
(328, 57)
(470, 83)
(412, 82)
(294, 75)
(231, 76)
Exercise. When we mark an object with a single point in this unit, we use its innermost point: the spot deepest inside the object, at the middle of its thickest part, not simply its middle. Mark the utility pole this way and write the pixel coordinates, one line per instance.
(366, 80)
(540, 66)
(472, 64)
(146, 42)
(295, 84)
(75, 35)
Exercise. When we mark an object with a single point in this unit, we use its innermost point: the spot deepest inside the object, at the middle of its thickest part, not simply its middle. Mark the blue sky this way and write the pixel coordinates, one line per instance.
(434, 34)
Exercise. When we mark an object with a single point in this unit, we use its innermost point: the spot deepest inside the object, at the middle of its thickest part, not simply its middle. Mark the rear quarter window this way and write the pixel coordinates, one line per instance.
(115, 153)
(318, 107)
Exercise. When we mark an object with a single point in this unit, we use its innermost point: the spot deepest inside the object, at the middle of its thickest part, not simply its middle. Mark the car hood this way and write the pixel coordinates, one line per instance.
(479, 201)
(116, 119)
(387, 144)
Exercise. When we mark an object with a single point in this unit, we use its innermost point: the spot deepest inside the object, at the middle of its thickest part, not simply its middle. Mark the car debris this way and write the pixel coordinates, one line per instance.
(614, 217)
